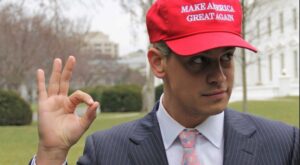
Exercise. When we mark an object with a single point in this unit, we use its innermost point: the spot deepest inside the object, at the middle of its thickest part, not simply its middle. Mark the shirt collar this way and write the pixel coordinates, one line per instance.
(211, 128)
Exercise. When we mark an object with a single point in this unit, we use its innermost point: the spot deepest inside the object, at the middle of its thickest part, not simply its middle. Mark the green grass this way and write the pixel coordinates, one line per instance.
(280, 109)
(33, 107)
(18, 143)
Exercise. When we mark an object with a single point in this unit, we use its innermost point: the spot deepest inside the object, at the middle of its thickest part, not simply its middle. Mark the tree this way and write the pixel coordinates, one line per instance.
(244, 74)
(105, 71)
(138, 10)
(27, 42)
(251, 10)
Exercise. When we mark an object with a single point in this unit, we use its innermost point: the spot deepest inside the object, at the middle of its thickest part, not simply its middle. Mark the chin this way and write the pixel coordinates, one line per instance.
(217, 111)
(213, 110)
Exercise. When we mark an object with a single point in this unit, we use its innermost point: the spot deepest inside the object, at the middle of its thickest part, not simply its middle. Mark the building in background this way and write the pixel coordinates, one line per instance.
(273, 28)
(135, 60)
(98, 43)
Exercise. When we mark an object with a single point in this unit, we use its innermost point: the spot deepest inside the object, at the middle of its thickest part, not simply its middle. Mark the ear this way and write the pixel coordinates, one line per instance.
(156, 61)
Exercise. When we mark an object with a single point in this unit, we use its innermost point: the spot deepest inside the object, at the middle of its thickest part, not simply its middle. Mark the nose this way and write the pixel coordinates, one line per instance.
(216, 74)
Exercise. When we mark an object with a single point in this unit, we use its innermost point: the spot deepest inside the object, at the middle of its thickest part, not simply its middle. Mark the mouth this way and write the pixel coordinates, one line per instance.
(216, 94)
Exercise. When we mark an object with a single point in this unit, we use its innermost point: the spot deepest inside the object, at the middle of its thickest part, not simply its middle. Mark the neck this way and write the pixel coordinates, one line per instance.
(184, 116)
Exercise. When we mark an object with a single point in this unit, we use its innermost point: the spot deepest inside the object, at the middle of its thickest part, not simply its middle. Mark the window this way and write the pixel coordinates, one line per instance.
(270, 67)
(258, 28)
(107, 50)
(98, 51)
(269, 26)
(97, 45)
(281, 22)
(282, 62)
(295, 15)
(296, 64)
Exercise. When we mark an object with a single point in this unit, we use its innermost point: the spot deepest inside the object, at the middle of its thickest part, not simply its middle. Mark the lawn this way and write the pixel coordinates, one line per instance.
(18, 144)
(281, 109)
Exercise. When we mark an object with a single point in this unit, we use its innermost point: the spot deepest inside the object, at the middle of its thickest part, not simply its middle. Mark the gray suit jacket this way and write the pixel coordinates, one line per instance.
(249, 140)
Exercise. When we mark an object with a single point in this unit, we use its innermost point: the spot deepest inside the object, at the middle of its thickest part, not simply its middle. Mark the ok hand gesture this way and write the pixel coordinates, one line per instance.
(58, 126)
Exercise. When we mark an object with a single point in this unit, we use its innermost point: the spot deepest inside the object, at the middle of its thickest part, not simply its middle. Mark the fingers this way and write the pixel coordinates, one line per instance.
(89, 115)
(41, 84)
(77, 98)
(53, 87)
(66, 76)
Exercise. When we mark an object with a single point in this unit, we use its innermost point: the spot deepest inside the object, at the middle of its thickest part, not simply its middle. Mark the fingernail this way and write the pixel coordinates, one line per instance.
(91, 101)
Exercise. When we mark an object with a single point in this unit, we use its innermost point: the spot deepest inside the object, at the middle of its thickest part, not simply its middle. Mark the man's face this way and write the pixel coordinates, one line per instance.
(199, 85)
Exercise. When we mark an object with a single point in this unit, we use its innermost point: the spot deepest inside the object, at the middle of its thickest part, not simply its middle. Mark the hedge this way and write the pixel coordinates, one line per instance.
(121, 98)
(14, 110)
(95, 92)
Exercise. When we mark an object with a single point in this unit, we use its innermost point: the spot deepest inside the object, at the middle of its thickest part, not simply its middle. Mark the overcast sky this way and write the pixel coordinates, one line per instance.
(112, 20)
(108, 18)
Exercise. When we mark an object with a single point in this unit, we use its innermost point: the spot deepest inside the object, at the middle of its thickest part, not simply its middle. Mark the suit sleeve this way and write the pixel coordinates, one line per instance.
(296, 154)
(88, 157)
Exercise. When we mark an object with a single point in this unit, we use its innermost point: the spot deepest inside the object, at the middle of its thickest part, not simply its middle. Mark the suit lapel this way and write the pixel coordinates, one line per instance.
(148, 148)
(239, 146)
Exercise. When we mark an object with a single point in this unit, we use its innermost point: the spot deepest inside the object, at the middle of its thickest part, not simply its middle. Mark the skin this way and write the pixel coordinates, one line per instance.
(58, 126)
(197, 86)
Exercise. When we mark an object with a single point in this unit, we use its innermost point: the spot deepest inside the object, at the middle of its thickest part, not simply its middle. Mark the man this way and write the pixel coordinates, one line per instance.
(193, 48)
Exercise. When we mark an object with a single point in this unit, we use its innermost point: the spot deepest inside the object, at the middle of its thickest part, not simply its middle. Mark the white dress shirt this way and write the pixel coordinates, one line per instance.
(209, 147)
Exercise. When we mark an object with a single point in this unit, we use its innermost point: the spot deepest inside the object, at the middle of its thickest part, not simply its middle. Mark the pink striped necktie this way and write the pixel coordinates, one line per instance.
(188, 140)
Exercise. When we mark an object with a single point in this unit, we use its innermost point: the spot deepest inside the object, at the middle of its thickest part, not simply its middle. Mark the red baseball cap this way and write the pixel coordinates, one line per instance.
(192, 26)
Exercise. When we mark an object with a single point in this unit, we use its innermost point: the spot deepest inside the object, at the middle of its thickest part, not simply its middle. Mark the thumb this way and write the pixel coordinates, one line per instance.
(89, 115)
(77, 98)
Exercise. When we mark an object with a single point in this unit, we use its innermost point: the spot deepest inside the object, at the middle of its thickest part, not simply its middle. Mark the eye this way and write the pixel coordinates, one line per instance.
(227, 57)
(198, 60)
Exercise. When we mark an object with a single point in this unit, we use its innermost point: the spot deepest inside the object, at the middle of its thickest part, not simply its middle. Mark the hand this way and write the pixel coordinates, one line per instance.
(58, 126)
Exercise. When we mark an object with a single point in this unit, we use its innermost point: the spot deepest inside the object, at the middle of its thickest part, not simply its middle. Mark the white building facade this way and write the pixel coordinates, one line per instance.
(98, 43)
(135, 60)
(273, 28)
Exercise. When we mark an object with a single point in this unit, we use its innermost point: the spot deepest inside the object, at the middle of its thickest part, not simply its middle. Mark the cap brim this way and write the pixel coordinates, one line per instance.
(205, 41)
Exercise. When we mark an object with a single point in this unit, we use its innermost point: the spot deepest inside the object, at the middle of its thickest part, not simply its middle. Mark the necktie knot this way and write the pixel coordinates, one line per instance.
(188, 137)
